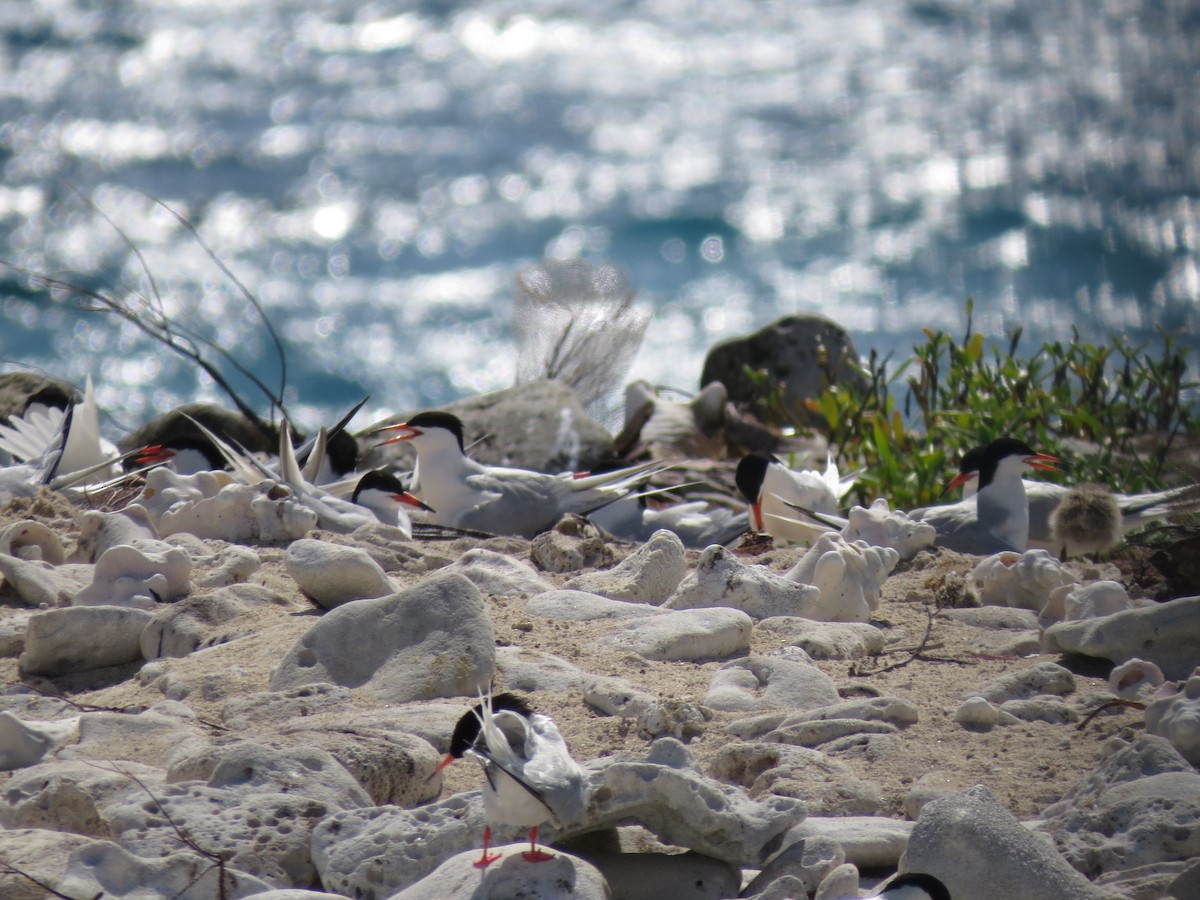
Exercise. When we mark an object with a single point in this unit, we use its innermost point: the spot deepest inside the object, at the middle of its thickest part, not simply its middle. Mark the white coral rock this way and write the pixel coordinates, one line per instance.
(720, 579)
(165, 490)
(140, 575)
(1177, 718)
(1023, 580)
(1134, 678)
(881, 526)
(233, 512)
(848, 575)
(1072, 603)
(31, 541)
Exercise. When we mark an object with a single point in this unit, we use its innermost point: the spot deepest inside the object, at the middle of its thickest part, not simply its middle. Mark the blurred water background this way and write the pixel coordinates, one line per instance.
(377, 172)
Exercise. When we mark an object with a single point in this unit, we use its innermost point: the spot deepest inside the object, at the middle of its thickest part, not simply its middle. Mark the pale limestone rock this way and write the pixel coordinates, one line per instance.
(534, 670)
(870, 842)
(239, 512)
(99, 531)
(139, 576)
(993, 617)
(759, 683)
(647, 575)
(890, 710)
(25, 743)
(40, 853)
(980, 851)
(274, 708)
(231, 565)
(563, 878)
(333, 574)
(839, 884)
(572, 544)
(105, 736)
(77, 638)
(434, 639)
(40, 584)
(849, 575)
(202, 620)
(827, 786)
(1023, 580)
(12, 633)
(692, 634)
(1166, 634)
(677, 719)
(72, 796)
(975, 712)
(1073, 602)
(663, 793)
(809, 860)
(498, 575)
(827, 640)
(1142, 806)
(616, 696)
(1042, 678)
(580, 606)
(103, 869)
(657, 876)
(32, 541)
(259, 807)
(880, 526)
(721, 580)
(1041, 709)
(1135, 678)
(1177, 718)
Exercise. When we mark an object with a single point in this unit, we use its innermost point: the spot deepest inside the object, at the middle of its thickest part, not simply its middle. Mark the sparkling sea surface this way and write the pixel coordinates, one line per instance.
(376, 173)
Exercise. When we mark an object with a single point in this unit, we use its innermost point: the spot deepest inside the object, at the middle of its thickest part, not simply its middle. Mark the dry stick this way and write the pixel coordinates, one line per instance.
(191, 335)
(1116, 701)
(916, 653)
(89, 707)
(218, 861)
(10, 869)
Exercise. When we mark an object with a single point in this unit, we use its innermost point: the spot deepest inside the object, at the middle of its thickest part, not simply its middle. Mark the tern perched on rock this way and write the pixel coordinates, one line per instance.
(495, 499)
(530, 776)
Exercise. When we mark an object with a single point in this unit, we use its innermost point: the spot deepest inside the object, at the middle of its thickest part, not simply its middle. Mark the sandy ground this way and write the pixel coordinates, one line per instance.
(1027, 765)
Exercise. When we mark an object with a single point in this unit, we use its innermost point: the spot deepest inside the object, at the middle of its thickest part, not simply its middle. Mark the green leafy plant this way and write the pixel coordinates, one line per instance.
(1112, 410)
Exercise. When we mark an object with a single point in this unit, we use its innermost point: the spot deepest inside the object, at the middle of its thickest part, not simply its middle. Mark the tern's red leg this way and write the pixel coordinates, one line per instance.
(533, 854)
(486, 859)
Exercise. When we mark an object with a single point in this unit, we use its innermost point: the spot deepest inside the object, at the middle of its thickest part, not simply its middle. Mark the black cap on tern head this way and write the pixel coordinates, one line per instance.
(466, 732)
(903, 884)
(751, 470)
(380, 480)
(437, 419)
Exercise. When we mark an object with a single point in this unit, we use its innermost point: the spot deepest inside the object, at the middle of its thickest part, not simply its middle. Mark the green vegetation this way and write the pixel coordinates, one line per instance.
(1112, 411)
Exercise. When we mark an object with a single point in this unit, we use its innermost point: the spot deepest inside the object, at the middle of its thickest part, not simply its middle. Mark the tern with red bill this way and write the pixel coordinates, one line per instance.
(530, 777)
(1046, 508)
(468, 494)
(774, 491)
(994, 519)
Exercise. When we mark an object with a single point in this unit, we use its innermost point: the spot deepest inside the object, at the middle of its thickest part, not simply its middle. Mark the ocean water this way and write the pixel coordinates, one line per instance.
(376, 174)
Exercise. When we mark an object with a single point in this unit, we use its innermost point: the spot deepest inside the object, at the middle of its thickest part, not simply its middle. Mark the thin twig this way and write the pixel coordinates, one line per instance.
(8, 868)
(1116, 701)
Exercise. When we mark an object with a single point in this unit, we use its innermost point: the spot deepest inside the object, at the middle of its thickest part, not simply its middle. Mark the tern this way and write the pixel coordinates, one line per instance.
(698, 523)
(468, 494)
(1074, 536)
(86, 454)
(773, 491)
(994, 519)
(914, 886)
(530, 776)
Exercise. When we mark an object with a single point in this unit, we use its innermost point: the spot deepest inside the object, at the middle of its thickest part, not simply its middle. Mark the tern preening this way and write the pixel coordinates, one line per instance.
(530, 777)
(773, 491)
(468, 494)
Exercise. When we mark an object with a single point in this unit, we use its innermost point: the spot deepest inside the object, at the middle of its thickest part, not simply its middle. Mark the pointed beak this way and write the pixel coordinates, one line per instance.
(756, 518)
(152, 454)
(413, 500)
(446, 760)
(1045, 461)
(407, 433)
(958, 481)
